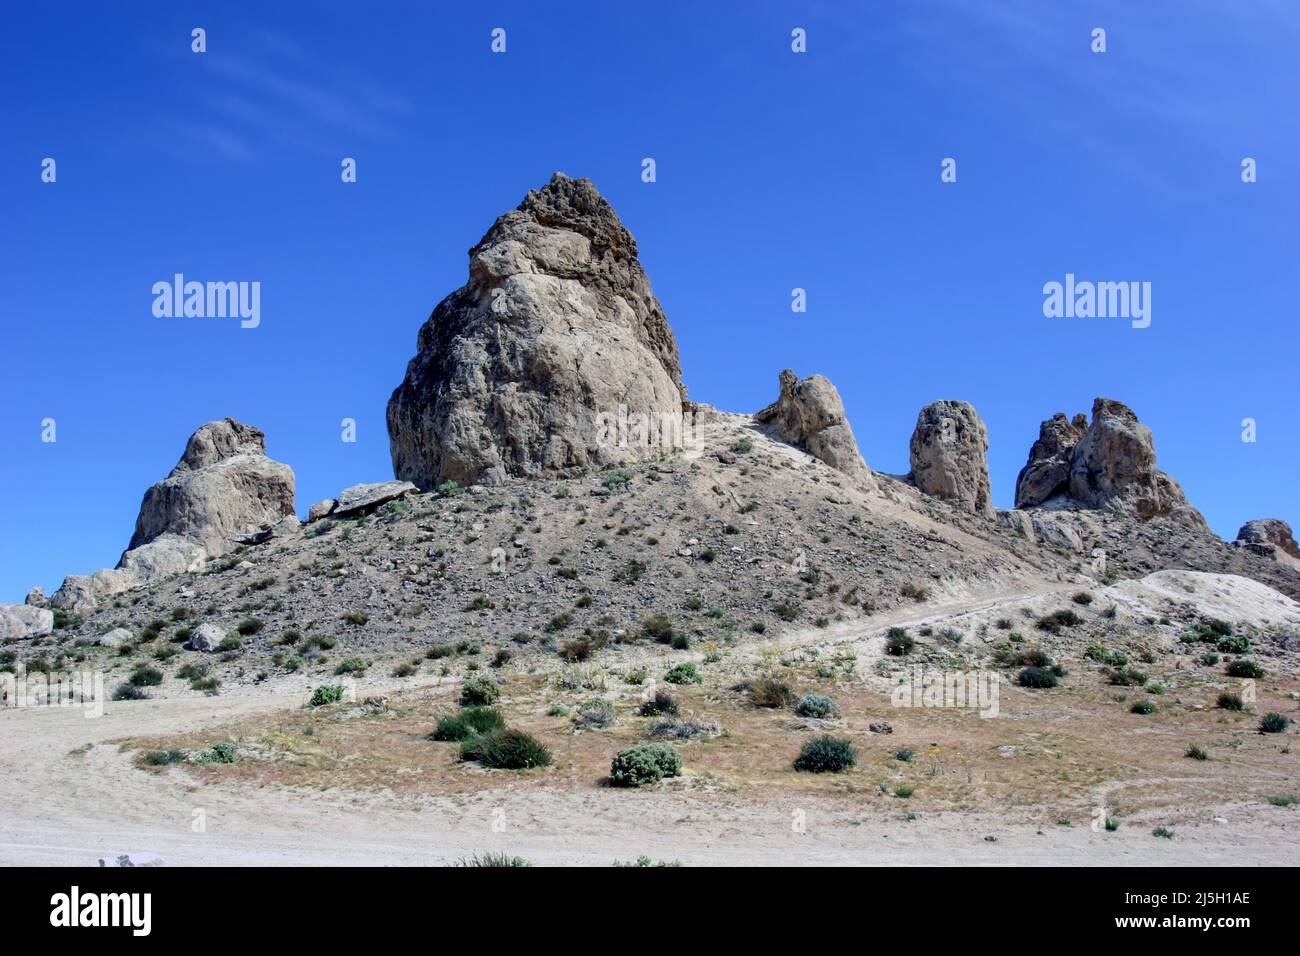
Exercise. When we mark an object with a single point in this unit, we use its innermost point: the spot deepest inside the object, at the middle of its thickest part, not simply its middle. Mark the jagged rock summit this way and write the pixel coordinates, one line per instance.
(810, 415)
(949, 456)
(223, 490)
(556, 327)
(1109, 464)
(1269, 538)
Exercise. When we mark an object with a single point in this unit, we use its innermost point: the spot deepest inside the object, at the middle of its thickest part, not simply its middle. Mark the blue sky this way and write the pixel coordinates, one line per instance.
(775, 170)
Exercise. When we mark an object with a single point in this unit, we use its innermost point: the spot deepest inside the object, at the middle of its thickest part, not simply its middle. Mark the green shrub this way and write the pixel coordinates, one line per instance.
(1273, 723)
(161, 758)
(1228, 701)
(658, 628)
(470, 722)
(249, 626)
(208, 685)
(1052, 623)
(1196, 753)
(1126, 677)
(815, 705)
(1083, 597)
(596, 713)
(1037, 677)
(1244, 668)
(1143, 707)
(351, 665)
(230, 643)
(1238, 644)
(643, 764)
(129, 692)
(146, 676)
(899, 642)
(1209, 658)
(479, 692)
(223, 752)
(326, 694)
(1164, 832)
(826, 754)
(492, 859)
(506, 750)
(684, 673)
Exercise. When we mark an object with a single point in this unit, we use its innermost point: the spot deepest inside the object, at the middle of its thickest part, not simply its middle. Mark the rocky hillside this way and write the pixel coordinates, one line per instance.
(557, 495)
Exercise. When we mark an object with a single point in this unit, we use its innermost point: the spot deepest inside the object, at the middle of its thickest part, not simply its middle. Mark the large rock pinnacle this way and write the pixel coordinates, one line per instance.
(555, 329)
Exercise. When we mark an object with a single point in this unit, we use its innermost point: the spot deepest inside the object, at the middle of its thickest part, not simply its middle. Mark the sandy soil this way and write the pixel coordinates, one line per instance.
(72, 793)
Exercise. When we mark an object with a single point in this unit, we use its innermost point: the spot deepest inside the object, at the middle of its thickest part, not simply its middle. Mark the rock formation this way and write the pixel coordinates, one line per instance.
(1111, 464)
(810, 415)
(223, 489)
(556, 327)
(1269, 537)
(949, 456)
(22, 621)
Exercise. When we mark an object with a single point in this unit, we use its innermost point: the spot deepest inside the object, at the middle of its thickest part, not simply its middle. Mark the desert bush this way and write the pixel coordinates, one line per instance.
(249, 626)
(1230, 701)
(596, 713)
(767, 691)
(826, 754)
(916, 593)
(470, 722)
(815, 705)
(161, 758)
(1037, 677)
(898, 642)
(1125, 677)
(479, 692)
(1196, 753)
(491, 859)
(351, 665)
(684, 728)
(1143, 707)
(326, 694)
(1083, 597)
(506, 750)
(661, 703)
(146, 676)
(1244, 668)
(644, 764)
(685, 673)
(1236, 644)
(1052, 623)
(1273, 723)
(1209, 658)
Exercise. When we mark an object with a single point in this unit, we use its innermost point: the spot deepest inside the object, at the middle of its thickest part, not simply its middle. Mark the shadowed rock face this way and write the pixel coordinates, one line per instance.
(1110, 464)
(1268, 536)
(223, 487)
(810, 415)
(556, 327)
(949, 456)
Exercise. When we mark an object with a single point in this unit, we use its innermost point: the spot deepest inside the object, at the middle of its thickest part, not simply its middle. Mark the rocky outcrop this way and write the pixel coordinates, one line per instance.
(1111, 464)
(949, 456)
(360, 499)
(22, 621)
(810, 415)
(223, 488)
(205, 637)
(1048, 470)
(1268, 537)
(556, 327)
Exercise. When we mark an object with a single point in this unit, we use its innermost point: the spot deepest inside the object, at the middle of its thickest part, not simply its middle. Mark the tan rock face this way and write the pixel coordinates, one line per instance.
(949, 456)
(223, 487)
(1268, 536)
(1110, 464)
(556, 327)
(810, 415)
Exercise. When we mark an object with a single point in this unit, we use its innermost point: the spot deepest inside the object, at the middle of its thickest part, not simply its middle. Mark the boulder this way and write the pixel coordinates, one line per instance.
(1267, 537)
(949, 456)
(115, 638)
(205, 637)
(36, 597)
(809, 414)
(1057, 531)
(555, 334)
(22, 621)
(320, 509)
(223, 488)
(366, 497)
(1018, 523)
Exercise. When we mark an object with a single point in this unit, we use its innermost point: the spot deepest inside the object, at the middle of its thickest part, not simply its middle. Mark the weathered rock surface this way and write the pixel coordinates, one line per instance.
(556, 327)
(320, 509)
(205, 637)
(1048, 471)
(365, 497)
(1112, 465)
(223, 488)
(22, 621)
(36, 597)
(810, 415)
(949, 456)
(115, 638)
(1268, 537)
